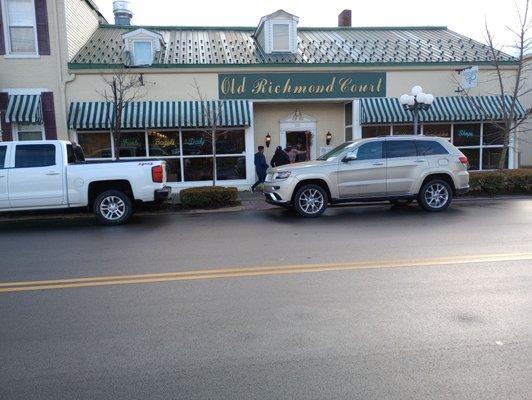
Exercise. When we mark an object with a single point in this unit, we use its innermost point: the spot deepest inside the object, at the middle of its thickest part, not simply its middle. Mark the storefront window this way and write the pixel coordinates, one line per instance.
(491, 157)
(196, 143)
(440, 130)
(403, 129)
(173, 169)
(228, 168)
(466, 135)
(163, 144)
(492, 134)
(132, 144)
(231, 142)
(95, 144)
(473, 155)
(348, 134)
(369, 131)
(198, 169)
(348, 109)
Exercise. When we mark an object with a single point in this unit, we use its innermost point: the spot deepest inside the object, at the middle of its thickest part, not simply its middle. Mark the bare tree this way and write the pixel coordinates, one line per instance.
(122, 87)
(212, 113)
(511, 83)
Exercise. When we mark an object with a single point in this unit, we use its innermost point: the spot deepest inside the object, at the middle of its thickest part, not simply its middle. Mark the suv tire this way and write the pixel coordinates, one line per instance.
(113, 207)
(310, 201)
(435, 195)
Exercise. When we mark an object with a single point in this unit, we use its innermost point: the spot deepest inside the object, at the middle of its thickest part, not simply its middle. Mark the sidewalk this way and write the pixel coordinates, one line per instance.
(249, 202)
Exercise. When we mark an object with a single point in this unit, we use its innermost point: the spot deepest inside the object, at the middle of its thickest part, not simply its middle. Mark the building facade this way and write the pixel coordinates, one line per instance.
(277, 84)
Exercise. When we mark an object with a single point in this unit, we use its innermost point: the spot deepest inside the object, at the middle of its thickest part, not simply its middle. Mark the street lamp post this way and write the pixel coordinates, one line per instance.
(416, 102)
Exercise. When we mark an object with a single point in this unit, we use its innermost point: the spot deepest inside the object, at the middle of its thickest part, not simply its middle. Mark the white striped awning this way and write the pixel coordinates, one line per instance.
(24, 109)
(161, 114)
(386, 110)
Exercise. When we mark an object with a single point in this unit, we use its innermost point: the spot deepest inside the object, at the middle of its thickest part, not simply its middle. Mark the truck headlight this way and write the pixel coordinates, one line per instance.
(282, 175)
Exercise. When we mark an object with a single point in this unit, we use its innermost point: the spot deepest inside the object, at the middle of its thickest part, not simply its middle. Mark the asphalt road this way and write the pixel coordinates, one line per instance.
(421, 312)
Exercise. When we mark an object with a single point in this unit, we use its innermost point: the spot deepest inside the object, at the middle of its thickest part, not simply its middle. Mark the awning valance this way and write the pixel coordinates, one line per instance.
(24, 109)
(444, 109)
(161, 114)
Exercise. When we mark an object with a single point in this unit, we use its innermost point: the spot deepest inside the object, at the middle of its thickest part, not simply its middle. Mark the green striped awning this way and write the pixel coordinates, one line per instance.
(24, 109)
(444, 109)
(161, 114)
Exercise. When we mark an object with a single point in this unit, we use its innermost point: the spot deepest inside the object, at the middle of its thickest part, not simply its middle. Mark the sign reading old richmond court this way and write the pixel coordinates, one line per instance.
(302, 85)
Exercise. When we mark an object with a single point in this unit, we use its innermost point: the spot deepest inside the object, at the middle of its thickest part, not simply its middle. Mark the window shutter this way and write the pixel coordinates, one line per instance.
(43, 35)
(5, 127)
(2, 42)
(48, 115)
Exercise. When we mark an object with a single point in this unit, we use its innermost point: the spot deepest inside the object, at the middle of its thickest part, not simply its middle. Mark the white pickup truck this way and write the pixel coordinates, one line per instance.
(51, 174)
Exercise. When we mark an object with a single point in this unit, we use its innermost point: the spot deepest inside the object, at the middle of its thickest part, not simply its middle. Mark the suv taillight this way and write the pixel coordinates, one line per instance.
(463, 160)
(157, 173)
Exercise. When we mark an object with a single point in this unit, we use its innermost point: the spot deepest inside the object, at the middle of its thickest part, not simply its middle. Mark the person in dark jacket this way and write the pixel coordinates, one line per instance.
(279, 158)
(261, 166)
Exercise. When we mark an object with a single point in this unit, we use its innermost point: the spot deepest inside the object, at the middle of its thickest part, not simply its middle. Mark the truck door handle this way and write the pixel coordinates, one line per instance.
(52, 173)
(378, 163)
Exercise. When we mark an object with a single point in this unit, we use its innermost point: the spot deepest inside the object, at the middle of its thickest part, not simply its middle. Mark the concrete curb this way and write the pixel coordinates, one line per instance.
(76, 215)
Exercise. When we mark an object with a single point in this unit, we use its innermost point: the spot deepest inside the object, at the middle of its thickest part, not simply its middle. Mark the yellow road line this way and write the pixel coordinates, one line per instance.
(6, 287)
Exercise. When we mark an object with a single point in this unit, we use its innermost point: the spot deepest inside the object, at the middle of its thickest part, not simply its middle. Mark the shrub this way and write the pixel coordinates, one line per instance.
(500, 182)
(209, 197)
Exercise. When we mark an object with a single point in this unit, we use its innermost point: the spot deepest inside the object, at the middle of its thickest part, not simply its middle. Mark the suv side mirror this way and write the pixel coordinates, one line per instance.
(349, 157)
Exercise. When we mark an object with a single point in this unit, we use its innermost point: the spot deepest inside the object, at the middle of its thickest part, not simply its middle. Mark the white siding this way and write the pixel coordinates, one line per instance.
(81, 22)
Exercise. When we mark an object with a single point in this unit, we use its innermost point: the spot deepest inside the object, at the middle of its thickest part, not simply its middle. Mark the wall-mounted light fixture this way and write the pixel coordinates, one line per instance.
(328, 138)
(268, 140)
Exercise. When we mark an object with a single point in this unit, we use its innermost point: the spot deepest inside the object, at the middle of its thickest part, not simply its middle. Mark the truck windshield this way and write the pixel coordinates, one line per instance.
(336, 151)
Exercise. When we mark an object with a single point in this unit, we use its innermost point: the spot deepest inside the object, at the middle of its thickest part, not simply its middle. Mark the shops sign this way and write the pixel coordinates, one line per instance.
(301, 85)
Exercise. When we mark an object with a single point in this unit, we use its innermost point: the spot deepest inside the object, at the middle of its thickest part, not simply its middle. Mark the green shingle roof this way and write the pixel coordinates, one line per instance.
(196, 46)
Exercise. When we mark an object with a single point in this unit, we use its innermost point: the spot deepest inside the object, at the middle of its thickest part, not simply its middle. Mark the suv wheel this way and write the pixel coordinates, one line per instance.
(113, 207)
(435, 195)
(310, 201)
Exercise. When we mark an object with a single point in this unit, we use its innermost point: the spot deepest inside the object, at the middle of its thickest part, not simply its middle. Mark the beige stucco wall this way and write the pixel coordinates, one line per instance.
(329, 117)
(81, 22)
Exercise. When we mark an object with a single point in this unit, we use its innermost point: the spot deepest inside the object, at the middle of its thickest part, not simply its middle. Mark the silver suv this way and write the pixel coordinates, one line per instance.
(395, 168)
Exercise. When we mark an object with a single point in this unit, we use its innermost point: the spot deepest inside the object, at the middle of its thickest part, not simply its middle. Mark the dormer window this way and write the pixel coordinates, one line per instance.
(142, 46)
(281, 37)
(142, 52)
(277, 33)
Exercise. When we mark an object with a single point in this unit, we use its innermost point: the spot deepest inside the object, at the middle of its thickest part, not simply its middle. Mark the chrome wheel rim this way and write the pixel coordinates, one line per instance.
(112, 208)
(436, 195)
(311, 201)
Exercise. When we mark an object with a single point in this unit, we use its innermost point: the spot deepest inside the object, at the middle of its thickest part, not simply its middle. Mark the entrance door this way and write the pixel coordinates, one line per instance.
(299, 143)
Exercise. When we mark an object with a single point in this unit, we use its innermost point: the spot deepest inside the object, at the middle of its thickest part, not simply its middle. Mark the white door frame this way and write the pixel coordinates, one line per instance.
(297, 121)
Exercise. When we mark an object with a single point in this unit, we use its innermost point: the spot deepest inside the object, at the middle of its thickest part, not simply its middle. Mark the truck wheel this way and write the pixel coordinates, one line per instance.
(113, 207)
(435, 195)
(310, 201)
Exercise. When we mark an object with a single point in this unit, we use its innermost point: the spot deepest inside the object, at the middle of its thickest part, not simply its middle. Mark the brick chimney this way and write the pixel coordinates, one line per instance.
(344, 19)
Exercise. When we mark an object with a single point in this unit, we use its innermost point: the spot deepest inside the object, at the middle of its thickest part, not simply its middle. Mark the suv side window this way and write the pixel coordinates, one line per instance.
(370, 151)
(430, 148)
(400, 148)
(34, 155)
(3, 151)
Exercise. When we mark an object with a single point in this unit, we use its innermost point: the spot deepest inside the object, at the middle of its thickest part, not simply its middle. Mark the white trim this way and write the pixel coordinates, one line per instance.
(34, 128)
(357, 127)
(7, 36)
(298, 121)
(250, 148)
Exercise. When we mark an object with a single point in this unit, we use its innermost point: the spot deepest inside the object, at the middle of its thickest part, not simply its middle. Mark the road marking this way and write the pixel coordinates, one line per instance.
(7, 287)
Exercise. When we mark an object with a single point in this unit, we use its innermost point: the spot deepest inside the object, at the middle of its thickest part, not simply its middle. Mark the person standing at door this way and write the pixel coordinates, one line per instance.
(261, 166)
(293, 154)
(279, 158)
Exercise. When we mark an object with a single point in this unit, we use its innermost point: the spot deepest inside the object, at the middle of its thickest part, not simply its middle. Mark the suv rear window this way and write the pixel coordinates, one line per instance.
(34, 155)
(400, 148)
(3, 150)
(430, 148)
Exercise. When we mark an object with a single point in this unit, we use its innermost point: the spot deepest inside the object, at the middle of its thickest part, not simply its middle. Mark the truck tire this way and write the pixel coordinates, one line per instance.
(435, 195)
(113, 207)
(310, 201)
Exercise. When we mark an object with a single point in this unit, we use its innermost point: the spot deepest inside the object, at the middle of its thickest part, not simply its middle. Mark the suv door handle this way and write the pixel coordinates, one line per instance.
(378, 163)
(52, 173)
(419, 161)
